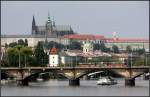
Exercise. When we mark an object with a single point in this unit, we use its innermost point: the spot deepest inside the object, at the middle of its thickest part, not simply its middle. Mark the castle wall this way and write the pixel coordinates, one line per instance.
(31, 40)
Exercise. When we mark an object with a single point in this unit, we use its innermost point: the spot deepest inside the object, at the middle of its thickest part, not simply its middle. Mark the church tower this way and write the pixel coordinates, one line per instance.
(87, 46)
(34, 28)
(49, 26)
(53, 57)
(114, 35)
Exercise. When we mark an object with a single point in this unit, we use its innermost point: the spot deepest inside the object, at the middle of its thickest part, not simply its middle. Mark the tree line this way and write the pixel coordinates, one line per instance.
(38, 56)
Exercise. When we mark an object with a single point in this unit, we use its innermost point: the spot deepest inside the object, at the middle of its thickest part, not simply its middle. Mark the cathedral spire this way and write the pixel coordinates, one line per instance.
(49, 19)
(49, 26)
(33, 21)
(34, 30)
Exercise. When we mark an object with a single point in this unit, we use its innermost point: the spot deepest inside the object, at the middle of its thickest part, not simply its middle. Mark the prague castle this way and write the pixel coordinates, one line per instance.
(64, 34)
(50, 29)
(50, 32)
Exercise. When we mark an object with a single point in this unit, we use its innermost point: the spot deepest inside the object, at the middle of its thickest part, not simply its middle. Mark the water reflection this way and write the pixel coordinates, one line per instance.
(86, 88)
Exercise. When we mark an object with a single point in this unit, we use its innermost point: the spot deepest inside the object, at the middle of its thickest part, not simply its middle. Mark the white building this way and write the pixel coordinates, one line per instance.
(87, 46)
(53, 58)
(32, 39)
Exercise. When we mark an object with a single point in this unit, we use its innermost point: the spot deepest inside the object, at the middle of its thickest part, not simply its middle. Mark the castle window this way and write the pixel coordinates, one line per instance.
(53, 57)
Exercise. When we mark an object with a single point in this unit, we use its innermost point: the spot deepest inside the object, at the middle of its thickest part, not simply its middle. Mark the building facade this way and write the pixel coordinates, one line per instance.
(88, 46)
(50, 29)
(32, 39)
(121, 43)
(82, 38)
(53, 58)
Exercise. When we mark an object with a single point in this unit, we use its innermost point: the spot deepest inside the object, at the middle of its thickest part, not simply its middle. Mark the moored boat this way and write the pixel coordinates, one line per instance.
(106, 81)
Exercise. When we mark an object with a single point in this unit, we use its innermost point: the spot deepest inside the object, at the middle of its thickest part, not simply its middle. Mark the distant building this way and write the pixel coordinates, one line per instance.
(53, 58)
(51, 29)
(67, 39)
(65, 35)
(122, 43)
(88, 46)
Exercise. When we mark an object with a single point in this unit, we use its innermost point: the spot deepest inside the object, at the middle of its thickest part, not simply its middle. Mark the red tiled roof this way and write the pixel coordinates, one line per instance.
(53, 51)
(84, 36)
(126, 40)
(94, 37)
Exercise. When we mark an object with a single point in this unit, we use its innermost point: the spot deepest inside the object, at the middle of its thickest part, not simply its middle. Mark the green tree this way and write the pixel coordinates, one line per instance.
(96, 46)
(101, 47)
(21, 42)
(26, 42)
(75, 45)
(115, 49)
(39, 54)
(26, 51)
(13, 44)
(6, 45)
(12, 57)
(140, 61)
(141, 51)
(128, 49)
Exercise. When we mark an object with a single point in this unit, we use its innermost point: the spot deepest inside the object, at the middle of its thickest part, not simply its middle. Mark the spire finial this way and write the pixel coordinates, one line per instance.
(33, 21)
(49, 20)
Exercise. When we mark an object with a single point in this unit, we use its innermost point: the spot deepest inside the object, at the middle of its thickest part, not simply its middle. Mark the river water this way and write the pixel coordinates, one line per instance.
(86, 88)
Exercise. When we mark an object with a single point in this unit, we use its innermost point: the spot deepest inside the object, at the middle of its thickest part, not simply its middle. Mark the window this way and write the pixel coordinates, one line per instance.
(53, 57)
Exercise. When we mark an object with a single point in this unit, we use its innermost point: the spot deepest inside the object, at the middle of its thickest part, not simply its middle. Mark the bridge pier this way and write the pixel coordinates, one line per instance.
(23, 82)
(74, 82)
(129, 82)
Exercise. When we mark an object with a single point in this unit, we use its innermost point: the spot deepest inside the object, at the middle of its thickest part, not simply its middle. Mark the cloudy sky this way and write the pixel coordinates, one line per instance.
(127, 18)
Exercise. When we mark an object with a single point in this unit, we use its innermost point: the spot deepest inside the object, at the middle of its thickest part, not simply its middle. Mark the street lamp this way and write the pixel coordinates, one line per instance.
(131, 60)
(19, 58)
(19, 47)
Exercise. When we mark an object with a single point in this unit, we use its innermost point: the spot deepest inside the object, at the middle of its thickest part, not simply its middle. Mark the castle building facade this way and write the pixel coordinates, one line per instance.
(50, 32)
(65, 35)
(51, 29)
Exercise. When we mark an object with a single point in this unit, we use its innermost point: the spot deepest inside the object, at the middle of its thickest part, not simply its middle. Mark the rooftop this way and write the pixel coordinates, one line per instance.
(84, 36)
(126, 40)
(56, 28)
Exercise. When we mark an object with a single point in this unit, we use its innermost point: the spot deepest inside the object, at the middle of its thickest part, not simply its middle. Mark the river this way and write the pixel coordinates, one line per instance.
(86, 88)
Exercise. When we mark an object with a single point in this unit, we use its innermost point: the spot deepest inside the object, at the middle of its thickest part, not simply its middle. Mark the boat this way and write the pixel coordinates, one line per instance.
(39, 79)
(106, 81)
(4, 81)
(146, 76)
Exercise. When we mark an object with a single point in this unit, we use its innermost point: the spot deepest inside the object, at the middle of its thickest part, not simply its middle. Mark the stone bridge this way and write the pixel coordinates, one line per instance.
(74, 74)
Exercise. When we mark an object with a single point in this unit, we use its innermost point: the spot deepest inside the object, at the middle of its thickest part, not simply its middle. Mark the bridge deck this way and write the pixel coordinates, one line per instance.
(68, 68)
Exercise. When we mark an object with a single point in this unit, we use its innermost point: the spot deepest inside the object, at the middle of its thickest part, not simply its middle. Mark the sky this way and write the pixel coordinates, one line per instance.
(127, 18)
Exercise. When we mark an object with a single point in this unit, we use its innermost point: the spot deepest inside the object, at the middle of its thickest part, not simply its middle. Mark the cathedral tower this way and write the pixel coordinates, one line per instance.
(49, 26)
(34, 28)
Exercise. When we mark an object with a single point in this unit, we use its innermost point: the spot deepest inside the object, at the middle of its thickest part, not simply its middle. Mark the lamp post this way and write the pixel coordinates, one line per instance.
(131, 60)
(130, 66)
(146, 55)
(19, 59)
(25, 61)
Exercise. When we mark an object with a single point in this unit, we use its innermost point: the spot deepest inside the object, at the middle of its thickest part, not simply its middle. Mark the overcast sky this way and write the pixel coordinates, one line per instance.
(127, 18)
